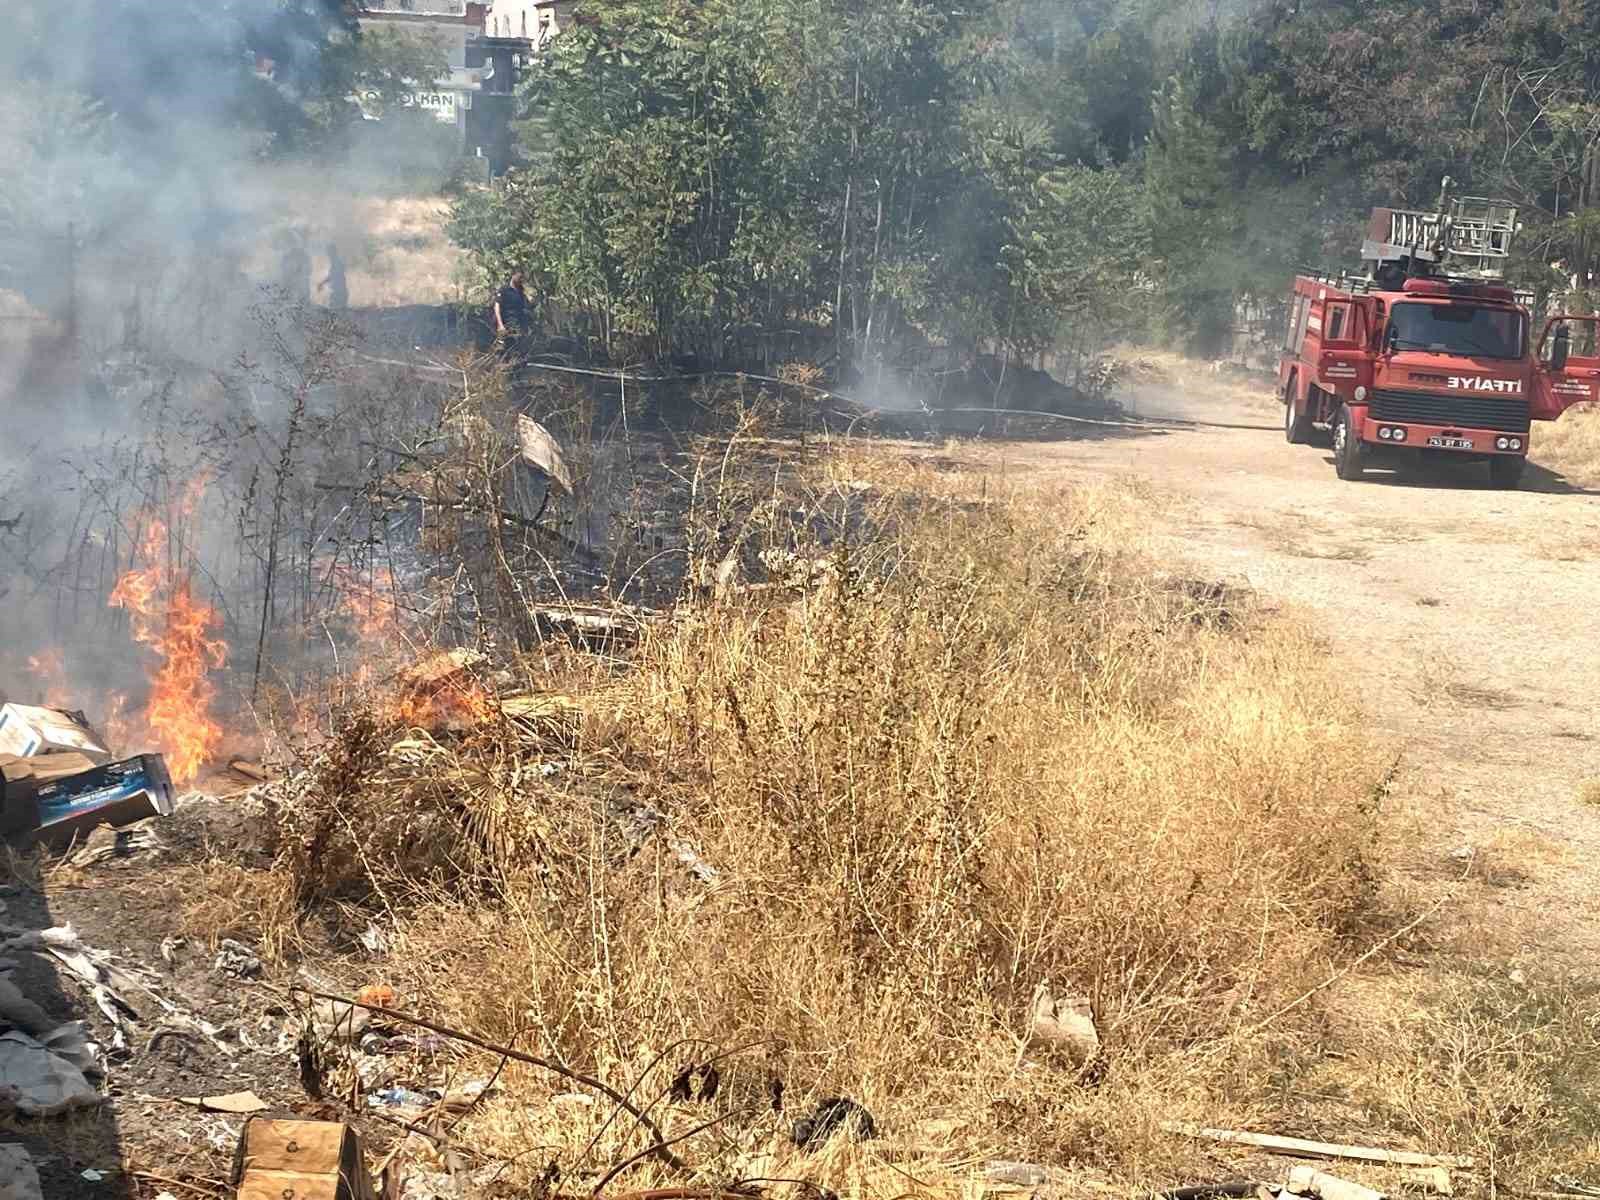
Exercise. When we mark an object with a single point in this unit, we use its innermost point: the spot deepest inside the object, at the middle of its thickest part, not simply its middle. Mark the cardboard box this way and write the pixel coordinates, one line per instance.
(29, 729)
(19, 787)
(305, 1160)
(118, 793)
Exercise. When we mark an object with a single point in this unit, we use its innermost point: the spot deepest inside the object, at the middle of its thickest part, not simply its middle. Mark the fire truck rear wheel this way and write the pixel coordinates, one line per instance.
(1505, 470)
(1296, 425)
(1346, 448)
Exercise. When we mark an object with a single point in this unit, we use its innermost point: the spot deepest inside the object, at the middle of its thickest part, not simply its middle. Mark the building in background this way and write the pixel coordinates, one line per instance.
(536, 21)
(452, 25)
(488, 46)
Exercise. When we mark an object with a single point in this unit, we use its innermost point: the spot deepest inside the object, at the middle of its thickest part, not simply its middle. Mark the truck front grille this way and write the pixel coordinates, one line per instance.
(1504, 414)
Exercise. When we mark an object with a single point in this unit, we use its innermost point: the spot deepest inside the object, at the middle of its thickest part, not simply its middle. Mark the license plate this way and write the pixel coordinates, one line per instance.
(1449, 443)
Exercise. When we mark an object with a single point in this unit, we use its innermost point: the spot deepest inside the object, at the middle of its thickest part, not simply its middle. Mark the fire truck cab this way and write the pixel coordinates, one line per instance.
(1412, 360)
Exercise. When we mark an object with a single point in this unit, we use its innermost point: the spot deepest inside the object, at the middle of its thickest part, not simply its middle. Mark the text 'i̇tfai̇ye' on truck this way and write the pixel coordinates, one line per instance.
(1431, 352)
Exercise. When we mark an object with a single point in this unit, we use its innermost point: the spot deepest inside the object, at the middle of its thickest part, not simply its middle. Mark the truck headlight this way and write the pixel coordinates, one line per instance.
(1361, 393)
(1502, 443)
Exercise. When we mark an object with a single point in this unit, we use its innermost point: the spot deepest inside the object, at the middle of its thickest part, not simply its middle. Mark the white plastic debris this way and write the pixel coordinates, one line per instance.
(38, 1082)
(19, 1178)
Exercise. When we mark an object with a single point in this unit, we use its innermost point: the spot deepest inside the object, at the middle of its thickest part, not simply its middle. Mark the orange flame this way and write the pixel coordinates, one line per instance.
(369, 604)
(168, 618)
(455, 704)
(49, 671)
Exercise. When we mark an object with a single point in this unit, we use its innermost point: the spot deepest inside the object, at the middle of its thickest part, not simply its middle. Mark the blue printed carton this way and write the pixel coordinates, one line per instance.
(118, 793)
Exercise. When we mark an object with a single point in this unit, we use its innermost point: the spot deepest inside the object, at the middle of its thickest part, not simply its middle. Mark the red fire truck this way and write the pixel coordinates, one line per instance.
(1430, 352)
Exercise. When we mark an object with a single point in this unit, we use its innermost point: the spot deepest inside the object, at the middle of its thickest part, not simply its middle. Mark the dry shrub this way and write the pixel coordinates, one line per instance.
(1570, 446)
(382, 814)
(977, 749)
(1499, 1066)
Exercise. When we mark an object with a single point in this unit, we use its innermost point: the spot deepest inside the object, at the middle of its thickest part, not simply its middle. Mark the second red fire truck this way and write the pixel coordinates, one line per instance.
(1431, 352)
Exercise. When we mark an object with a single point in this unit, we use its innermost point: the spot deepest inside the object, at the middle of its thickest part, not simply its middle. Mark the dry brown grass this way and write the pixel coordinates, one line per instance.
(1156, 377)
(1499, 1064)
(1570, 446)
(972, 744)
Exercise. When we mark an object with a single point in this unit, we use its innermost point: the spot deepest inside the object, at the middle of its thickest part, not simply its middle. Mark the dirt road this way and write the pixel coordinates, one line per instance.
(1464, 616)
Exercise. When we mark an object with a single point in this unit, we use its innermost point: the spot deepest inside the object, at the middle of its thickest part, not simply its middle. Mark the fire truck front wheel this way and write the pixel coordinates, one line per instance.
(1296, 424)
(1346, 447)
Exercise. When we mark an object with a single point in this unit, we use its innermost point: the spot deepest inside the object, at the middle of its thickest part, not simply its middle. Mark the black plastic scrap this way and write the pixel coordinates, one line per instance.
(836, 1115)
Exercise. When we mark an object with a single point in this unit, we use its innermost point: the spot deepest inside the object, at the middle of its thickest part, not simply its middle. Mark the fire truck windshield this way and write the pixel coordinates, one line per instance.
(1465, 329)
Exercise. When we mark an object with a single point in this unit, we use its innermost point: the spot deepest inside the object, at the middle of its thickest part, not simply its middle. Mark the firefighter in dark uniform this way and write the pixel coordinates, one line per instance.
(511, 316)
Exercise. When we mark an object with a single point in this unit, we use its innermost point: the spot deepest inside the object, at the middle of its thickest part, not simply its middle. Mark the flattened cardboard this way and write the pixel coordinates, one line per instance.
(30, 729)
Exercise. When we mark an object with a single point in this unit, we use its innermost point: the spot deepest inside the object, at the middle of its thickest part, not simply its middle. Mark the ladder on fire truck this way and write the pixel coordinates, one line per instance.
(1467, 237)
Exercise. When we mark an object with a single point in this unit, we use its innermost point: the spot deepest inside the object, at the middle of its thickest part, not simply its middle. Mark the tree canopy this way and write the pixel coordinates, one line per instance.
(1025, 174)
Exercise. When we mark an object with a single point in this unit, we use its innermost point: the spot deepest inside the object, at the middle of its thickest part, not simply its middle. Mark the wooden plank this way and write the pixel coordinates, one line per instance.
(1302, 1148)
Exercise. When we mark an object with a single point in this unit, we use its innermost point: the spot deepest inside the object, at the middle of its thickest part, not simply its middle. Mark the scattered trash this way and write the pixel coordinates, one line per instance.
(237, 959)
(333, 1019)
(380, 995)
(399, 1097)
(170, 947)
(400, 1043)
(39, 1083)
(20, 1012)
(92, 1175)
(837, 1115)
(238, 1103)
(1301, 1148)
(301, 1158)
(39, 806)
(617, 624)
(1063, 1023)
(28, 729)
(1571, 1185)
(541, 450)
(641, 822)
(105, 843)
(1428, 1179)
(108, 982)
(432, 1185)
(19, 1178)
(1018, 1174)
(1308, 1181)
(374, 940)
(70, 1042)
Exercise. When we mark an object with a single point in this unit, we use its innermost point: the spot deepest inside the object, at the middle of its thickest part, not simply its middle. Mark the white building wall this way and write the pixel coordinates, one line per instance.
(536, 20)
